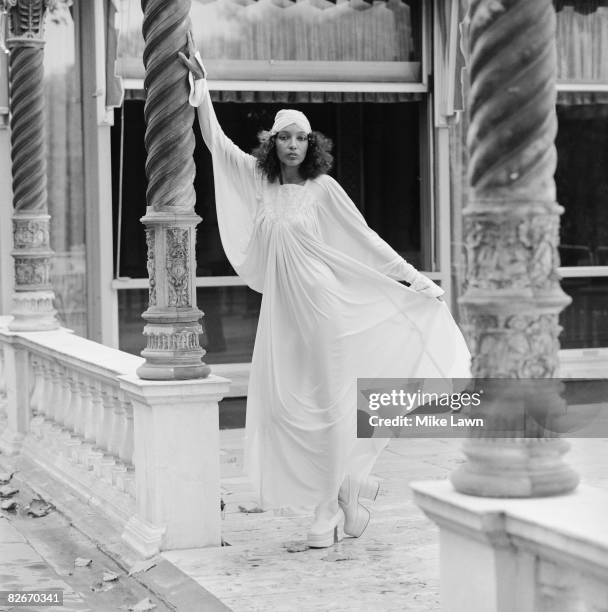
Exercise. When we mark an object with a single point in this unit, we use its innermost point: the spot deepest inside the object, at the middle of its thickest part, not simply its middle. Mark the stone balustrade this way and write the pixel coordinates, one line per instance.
(76, 409)
(76, 422)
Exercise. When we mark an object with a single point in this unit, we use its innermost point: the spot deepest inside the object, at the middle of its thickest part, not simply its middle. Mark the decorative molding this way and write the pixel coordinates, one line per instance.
(511, 252)
(514, 345)
(178, 273)
(26, 20)
(30, 233)
(32, 273)
(151, 266)
(162, 340)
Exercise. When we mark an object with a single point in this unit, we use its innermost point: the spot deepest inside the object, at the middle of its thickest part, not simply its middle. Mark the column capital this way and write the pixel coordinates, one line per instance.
(26, 21)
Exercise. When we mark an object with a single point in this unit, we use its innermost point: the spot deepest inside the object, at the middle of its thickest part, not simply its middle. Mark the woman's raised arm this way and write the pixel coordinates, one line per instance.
(217, 142)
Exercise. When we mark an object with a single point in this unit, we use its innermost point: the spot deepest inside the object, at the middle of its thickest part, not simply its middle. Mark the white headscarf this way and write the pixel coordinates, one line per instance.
(286, 117)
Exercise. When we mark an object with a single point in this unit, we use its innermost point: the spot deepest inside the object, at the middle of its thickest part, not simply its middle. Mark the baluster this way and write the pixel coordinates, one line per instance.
(70, 399)
(54, 412)
(106, 462)
(82, 450)
(126, 453)
(37, 380)
(126, 449)
(119, 434)
(107, 415)
(36, 398)
(45, 395)
(94, 433)
(63, 414)
(74, 442)
(117, 425)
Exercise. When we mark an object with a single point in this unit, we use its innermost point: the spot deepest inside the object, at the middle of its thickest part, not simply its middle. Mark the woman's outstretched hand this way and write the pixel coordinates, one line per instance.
(197, 70)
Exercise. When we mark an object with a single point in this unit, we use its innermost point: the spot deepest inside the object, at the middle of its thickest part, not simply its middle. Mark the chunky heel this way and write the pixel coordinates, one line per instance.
(357, 521)
(369, 489)
(326, 538)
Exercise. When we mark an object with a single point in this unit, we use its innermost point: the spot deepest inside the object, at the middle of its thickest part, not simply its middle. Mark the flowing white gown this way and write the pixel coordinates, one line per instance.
(331, 311)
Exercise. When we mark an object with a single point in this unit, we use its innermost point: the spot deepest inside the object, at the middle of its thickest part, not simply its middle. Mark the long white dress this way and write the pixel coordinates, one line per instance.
(331, 311)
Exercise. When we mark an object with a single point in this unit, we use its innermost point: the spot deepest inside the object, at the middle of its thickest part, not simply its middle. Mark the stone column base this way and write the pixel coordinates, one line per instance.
(508, 467)
(33, 311)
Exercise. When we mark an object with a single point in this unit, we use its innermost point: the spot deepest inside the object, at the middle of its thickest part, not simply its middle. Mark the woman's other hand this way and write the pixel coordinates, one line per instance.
(193, 62)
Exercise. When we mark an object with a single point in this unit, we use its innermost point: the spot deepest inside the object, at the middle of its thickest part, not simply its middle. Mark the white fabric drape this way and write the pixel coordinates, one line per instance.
(330, 313)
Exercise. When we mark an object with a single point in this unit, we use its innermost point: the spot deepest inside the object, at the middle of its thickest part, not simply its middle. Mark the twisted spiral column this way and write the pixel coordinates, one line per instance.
(172, 330)
(512, 295)
(33, 298)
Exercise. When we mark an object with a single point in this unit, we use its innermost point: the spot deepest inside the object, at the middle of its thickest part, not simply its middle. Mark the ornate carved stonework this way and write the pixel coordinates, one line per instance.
(32, 273)
(150, 266)
(514, 345)
(26, 17)
(33, 310)
(505, 251)
(184, 340)
(177, 267)
(30, 233)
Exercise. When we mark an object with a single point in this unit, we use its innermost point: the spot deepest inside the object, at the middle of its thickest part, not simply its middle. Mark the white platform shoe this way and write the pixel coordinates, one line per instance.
(356, 515)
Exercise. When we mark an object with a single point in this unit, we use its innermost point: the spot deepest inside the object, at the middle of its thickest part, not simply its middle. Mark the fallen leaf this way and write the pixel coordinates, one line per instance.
(38, 508)
(252, 509)
(109, 576)
(141, 566)
(6, 477)
(8, 504)
(8, 491)
(82, 562)
(143, 605)
(294, 547)
(337, 556)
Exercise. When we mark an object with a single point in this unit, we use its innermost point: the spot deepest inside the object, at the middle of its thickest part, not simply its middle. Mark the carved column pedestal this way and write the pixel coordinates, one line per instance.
(173, 351)
(33, 298)
(511, 233)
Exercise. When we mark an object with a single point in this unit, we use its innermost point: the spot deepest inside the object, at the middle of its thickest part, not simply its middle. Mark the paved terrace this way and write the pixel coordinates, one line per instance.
(393, 566)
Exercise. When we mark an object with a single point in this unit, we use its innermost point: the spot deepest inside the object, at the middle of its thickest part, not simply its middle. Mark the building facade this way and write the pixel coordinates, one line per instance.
(383, 80)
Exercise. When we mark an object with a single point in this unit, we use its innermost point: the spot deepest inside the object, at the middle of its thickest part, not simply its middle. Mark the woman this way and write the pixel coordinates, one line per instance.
(332, 310)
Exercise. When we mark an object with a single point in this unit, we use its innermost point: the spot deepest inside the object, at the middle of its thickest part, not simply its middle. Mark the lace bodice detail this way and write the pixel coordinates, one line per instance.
(288, 204)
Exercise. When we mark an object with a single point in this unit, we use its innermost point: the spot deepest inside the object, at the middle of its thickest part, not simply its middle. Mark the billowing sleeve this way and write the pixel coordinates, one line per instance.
(344, 228)
(237, 185)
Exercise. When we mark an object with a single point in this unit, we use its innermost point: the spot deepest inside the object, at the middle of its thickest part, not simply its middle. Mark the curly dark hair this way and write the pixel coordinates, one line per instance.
(318, 158)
